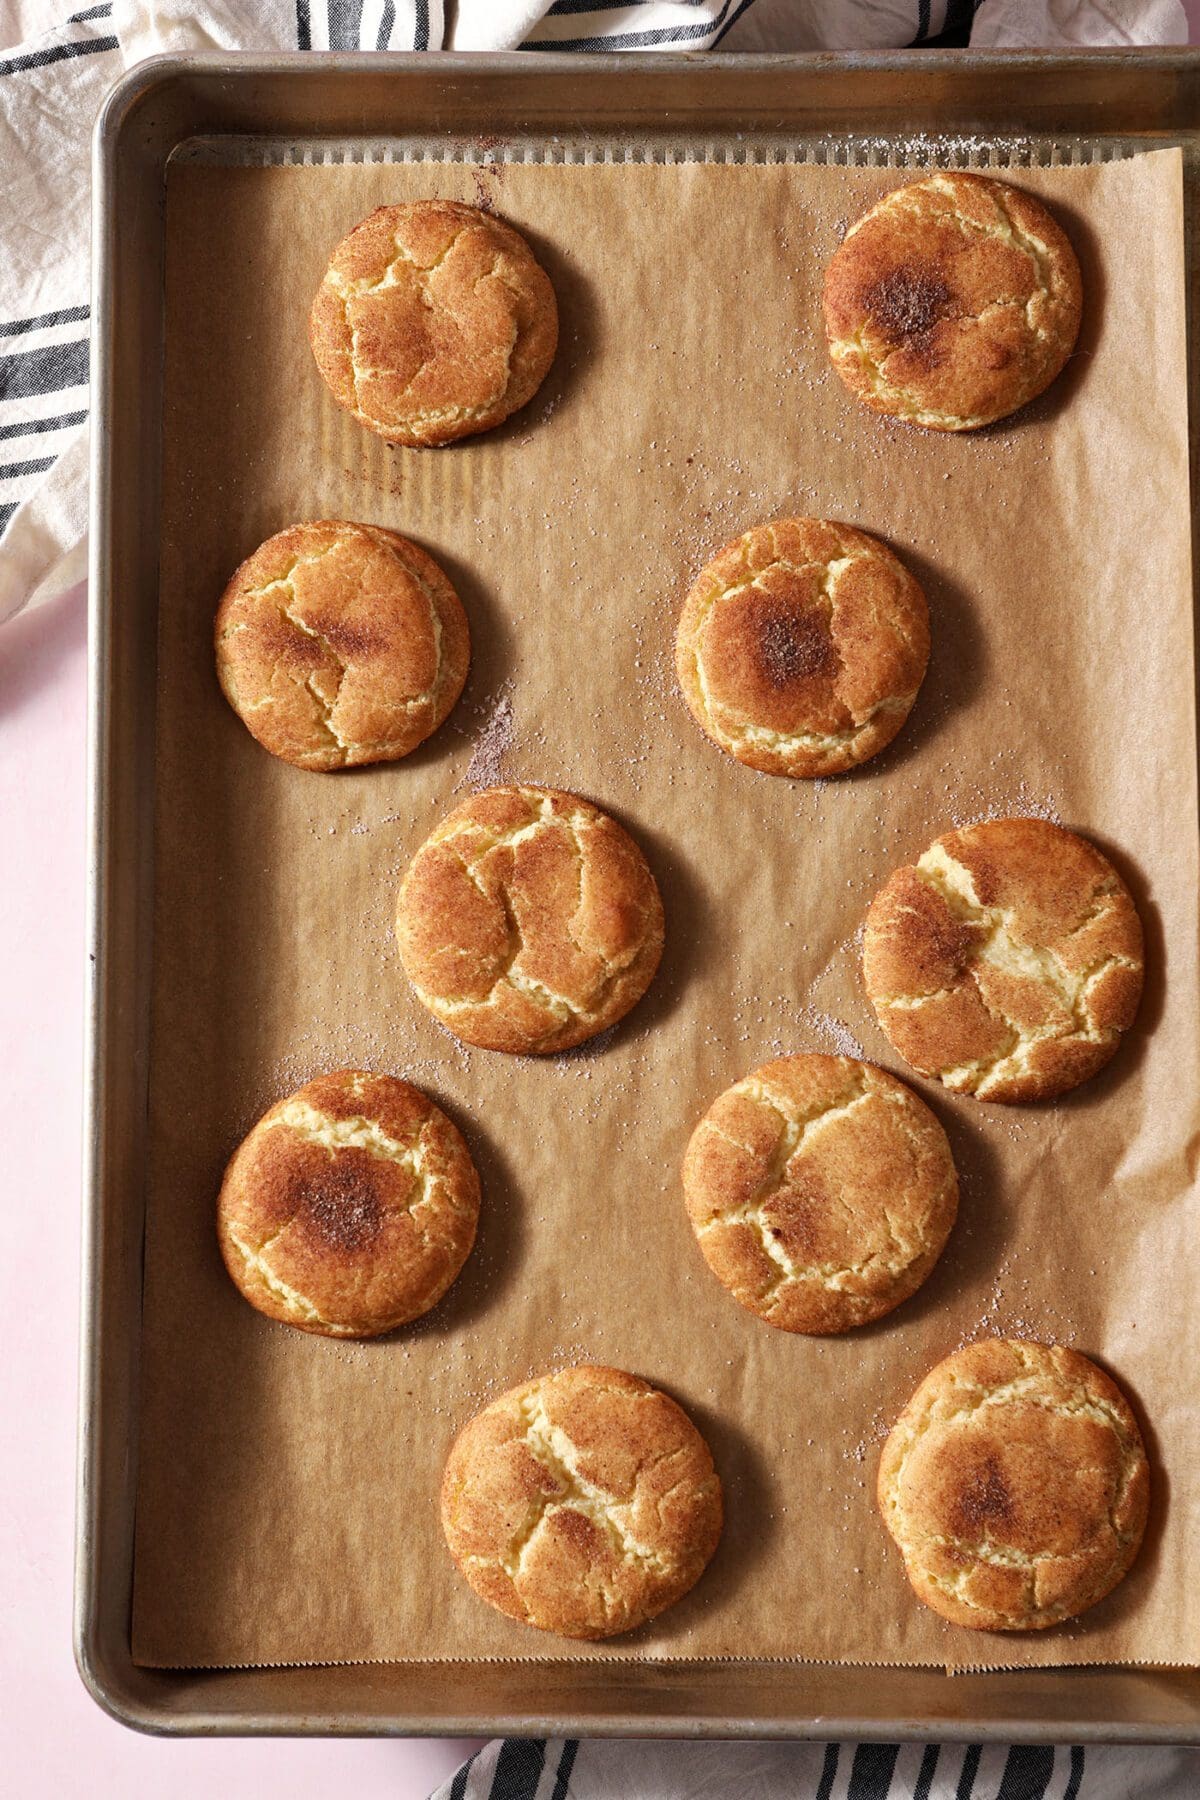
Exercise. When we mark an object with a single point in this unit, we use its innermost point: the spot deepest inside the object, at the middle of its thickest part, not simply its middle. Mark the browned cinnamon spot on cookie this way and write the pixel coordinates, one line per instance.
(341, 1207)
(952, 302)
(350, 1207)
(1016, 1485)
(794, 646)
(907, 302)
(801, 647)
(985, 1499)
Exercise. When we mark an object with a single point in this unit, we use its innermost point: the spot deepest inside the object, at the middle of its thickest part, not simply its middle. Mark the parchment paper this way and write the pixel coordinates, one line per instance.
(287, 1508)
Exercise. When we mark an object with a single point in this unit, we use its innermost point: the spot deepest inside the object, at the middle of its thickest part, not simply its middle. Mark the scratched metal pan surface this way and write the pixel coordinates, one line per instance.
(902, 108)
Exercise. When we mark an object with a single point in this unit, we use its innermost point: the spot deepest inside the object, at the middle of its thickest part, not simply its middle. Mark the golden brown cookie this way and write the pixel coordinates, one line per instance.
(1016, 1484)
(582, 1503)
(1007, 960)
(350, 1207)
(434, 321)
(340, 644)
(821, 1190)
(801, 647)
(952, 302)
(529, 921)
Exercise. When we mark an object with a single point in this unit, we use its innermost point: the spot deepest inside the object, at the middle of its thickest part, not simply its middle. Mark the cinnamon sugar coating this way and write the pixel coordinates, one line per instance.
(339, 644)
(952, 302)
(350, 1207)
(801, 647)
(1015, 1483)
(529, 921)
(434, 321)
(583, 1503)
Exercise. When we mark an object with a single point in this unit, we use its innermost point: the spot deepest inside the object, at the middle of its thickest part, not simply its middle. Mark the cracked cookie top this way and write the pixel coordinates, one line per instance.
(952, 302)
(340, 644)
(801, 647)
(581, 1503)
(1015, 1483)
(821, 1191)
(529, 921)
(350, 1207)
(1007, 960)
(434, 321)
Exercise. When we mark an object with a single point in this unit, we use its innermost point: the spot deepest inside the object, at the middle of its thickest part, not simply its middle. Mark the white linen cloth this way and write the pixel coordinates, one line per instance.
(53, 80)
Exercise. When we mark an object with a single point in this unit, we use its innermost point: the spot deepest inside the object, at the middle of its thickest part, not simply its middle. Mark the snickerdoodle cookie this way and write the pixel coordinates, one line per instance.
(434, 321)
(582, 1503)
(801, 647)
(821, 1191)
(350, 1207)
(1007, 960)
(1016, 1484)
(952, 302)
(340, 643)
(529, 921)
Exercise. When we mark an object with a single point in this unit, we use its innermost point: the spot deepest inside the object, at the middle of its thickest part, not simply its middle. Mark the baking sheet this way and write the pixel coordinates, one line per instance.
(287, 1491)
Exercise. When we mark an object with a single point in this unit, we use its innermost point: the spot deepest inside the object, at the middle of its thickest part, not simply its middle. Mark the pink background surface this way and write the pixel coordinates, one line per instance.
(52, 1735)
(54, 1740)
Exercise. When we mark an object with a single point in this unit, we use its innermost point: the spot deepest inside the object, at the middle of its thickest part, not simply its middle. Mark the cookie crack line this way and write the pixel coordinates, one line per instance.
(287, 578)
(1003, 950)
(955, 1585)
(351, 331)
(798, 1128)
(403, 256)
(996, 1556)
(291, 1297)
(419, 418)
(324, 705)
(554, 1451)
(356, 1133)
(901, 400)
(540, 803)
(1032, 1610)
(563, 1011)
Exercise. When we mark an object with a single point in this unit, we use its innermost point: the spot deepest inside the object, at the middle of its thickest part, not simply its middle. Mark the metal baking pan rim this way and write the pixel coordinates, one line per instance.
(128, 1693)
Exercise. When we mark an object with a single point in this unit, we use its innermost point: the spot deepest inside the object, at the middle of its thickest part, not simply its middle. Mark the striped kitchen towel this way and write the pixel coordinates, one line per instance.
(568, 1769)
(52, 83)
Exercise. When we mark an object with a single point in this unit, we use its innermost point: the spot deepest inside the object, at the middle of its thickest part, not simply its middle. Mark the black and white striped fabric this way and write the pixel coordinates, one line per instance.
(49, 90)
(52, 84)
(567, 1769)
